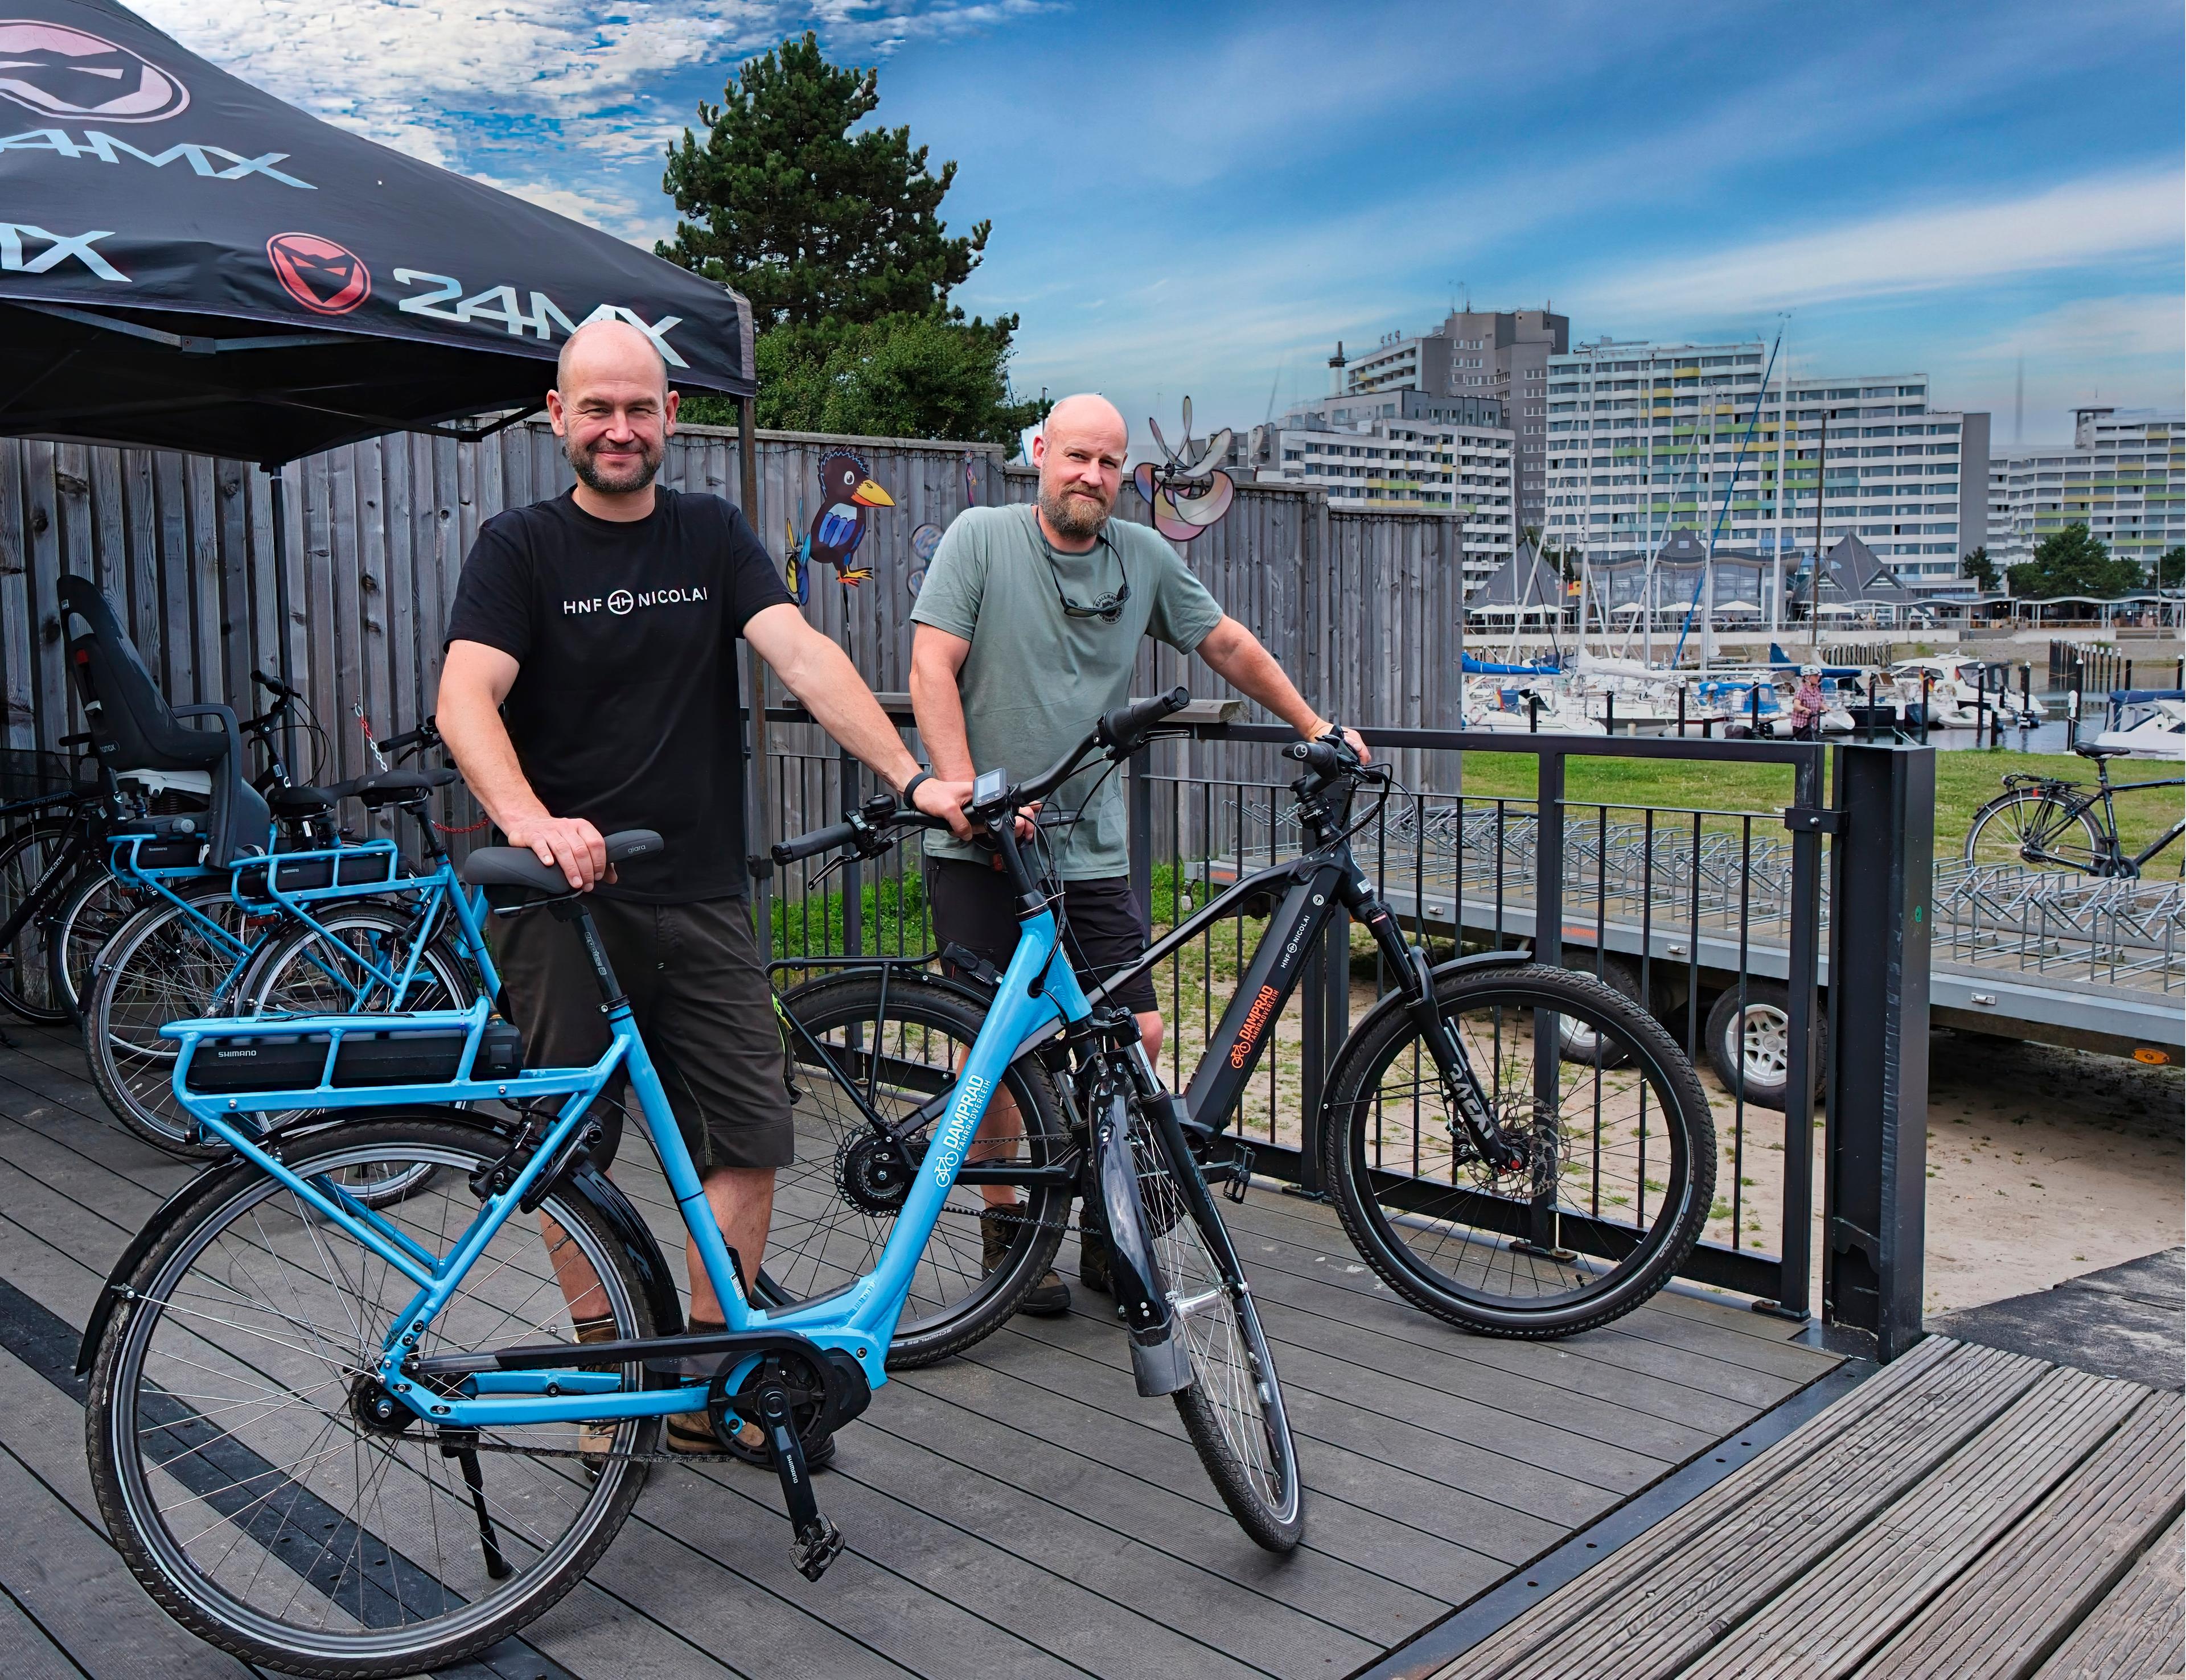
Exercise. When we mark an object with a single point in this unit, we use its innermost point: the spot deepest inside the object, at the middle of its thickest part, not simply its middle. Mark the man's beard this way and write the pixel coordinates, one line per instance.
(1074, 513)
(631, 478)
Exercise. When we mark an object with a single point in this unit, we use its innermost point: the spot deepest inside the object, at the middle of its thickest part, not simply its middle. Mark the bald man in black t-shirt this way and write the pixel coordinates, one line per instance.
(590, 685)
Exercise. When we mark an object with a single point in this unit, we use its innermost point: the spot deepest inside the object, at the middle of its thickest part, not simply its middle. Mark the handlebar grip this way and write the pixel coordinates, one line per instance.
(425, 734)
(818, 840)
(1122, 728)
(274, 685)
(1324, 756)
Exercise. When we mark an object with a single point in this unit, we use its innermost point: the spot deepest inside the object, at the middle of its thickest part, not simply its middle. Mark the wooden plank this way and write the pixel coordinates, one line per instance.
(30, 1653)
(1903, 1420)
(1828, 1613)
(57, 710)
(2139, 1632)
(2042, 1579)
(134, 570)
(201, 506)
(67, 1581)
(375, 678)
(171, 563)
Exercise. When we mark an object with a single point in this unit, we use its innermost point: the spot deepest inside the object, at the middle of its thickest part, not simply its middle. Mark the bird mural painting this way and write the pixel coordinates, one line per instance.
(847, 489)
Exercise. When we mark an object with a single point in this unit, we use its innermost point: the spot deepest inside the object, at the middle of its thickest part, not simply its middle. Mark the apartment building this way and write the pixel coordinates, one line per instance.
(2123, 476)
(1498, 353)
(1645, 439)
(1392, 464)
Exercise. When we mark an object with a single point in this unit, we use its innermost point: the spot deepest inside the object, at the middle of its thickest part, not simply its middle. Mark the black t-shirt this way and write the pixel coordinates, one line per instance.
(626, 709)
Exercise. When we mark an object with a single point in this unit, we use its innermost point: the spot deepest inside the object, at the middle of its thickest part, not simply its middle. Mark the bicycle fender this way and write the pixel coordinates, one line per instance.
(1159, 1361)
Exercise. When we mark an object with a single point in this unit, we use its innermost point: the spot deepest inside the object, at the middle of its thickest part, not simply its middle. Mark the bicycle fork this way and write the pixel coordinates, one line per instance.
(1460, 1085)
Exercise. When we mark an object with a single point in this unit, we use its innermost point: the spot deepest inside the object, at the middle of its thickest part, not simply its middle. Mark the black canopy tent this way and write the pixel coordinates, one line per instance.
(191, 264)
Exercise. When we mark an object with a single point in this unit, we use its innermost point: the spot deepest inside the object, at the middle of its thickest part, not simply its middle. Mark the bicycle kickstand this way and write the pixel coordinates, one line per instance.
(818, 1542)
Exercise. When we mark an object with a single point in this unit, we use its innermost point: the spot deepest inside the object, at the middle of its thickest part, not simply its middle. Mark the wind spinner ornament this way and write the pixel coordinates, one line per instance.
(1187, 493)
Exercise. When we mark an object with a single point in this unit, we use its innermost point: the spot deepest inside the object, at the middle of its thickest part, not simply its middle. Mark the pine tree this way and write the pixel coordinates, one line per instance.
(1980, 568)
(811, 222)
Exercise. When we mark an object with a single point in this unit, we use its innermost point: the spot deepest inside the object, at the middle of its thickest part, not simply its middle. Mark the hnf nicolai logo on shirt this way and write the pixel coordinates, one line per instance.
(622, 602)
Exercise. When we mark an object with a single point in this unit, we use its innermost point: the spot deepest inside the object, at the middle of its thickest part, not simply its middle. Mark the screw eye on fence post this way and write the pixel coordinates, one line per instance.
(1882, 862)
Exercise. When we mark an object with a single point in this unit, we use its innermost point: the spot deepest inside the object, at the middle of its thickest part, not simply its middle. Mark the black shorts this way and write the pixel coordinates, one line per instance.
(1100, 922)
(698, 991)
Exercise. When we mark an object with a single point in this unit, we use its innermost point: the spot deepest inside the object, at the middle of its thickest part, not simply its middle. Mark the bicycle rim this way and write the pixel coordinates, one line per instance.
(1233, 1409)
(2061, 834)
(163, 965)
(1616, 1184)
(93, 914)
(232, 1452)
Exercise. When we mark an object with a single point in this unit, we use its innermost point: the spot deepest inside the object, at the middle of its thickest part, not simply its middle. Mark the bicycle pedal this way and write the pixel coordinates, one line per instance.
(815, 1547)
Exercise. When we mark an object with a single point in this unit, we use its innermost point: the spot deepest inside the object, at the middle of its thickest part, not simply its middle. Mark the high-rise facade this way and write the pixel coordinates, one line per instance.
(1645, 439)
(1502, 353)
(2123, 476)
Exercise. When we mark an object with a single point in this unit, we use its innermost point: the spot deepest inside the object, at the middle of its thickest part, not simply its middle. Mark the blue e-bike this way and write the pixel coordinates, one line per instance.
(354, 1440)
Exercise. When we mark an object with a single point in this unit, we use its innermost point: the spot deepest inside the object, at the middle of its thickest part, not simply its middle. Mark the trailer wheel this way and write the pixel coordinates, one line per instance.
(1753, 1046)
(1575, 1039)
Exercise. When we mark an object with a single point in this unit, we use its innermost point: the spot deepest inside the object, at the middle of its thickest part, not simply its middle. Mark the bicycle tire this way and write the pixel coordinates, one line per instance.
(157, 967)
(89, 918)
(1233, 1409)
(28, 854)
(830, 1226)
(180, 1362)
(1388, 1202)
(2029, 817)
(284, 974)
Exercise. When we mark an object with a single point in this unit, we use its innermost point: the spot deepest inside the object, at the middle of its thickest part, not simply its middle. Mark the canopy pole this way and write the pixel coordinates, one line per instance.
(756, 839)
(277, 478)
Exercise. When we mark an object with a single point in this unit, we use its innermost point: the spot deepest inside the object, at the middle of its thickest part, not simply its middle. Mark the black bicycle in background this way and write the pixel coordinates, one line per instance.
(1518, 1149)
(2067, 825)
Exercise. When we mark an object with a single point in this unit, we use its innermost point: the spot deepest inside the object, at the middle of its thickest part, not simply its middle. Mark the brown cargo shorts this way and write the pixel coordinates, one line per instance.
(697, 989)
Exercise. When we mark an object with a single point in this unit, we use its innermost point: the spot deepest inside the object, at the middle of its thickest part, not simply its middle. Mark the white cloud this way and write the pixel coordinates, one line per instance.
(615, 214)
(2077, 224)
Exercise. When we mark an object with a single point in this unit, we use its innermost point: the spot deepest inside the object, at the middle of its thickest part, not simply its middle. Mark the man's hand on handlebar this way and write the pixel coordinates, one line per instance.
(571, 843)
(946, 800)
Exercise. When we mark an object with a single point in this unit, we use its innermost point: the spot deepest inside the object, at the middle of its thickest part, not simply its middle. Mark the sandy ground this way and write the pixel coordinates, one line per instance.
(2044, 1164)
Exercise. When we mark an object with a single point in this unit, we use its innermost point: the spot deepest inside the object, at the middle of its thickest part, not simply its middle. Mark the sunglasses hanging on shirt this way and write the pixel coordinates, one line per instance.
(1109, 607)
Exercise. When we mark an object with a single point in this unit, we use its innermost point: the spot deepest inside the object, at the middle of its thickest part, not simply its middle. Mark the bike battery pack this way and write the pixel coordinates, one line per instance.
(294, 1061)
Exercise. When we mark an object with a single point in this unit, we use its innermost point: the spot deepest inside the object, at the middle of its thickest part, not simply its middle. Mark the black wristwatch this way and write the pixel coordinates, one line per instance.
(911, 786)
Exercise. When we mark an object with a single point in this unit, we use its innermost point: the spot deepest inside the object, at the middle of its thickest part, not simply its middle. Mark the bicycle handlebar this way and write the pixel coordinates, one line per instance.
(274, 685)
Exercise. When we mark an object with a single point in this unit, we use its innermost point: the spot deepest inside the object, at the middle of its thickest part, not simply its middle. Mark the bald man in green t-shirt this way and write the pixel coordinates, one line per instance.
(1028, 630)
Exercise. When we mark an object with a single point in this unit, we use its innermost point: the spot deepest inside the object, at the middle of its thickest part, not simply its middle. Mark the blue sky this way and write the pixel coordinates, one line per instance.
(1201, 200)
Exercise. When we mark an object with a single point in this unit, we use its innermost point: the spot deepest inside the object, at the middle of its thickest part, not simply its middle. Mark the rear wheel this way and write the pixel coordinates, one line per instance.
(273, 1496)
(28, 855)
(1619, 1156)
(2030, 826)
(1234, 1408)
(168, 962)
(894, 1044)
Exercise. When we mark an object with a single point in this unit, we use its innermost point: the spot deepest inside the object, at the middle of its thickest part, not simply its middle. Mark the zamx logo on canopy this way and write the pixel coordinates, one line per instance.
(59, 71)
(326, 278)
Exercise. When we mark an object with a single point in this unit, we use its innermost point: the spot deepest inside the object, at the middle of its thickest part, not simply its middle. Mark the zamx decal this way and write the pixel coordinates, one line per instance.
(1256, 1018)
(66, 72)
(326, 278)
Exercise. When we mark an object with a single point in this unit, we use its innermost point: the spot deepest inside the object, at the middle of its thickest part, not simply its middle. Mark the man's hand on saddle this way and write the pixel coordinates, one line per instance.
(570, 843)
(946, 800)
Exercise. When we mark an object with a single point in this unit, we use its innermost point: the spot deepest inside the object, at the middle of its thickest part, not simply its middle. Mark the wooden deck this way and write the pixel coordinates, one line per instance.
(1017, 1511)
(1968, 1513)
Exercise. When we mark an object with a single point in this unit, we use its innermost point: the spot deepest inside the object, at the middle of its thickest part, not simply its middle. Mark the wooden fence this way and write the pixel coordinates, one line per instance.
(1361, 608)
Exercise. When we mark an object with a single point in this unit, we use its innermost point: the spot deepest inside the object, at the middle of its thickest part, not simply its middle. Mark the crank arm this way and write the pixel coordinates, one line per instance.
(817, 1543)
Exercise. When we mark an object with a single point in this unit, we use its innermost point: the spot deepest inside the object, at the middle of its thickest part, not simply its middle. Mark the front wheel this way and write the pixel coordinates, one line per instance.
(1618, 1167)
(2032, 826)
(1233, 1409)
(265, 1489)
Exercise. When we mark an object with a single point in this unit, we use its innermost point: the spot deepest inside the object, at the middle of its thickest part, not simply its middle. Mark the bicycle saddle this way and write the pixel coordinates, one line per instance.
(289, 802)
(516, 865)
(2088, 749)
(391, 787)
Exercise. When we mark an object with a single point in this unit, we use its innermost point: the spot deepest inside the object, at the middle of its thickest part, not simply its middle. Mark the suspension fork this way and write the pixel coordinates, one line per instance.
(1415, 982)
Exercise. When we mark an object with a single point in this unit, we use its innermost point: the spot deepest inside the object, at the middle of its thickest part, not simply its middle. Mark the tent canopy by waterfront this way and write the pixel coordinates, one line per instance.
(190, 263)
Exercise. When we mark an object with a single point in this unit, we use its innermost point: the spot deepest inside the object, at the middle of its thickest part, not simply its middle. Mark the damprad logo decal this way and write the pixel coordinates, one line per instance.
(1255, 1019)
(963, 1120)
(60, 71)
(326, 278)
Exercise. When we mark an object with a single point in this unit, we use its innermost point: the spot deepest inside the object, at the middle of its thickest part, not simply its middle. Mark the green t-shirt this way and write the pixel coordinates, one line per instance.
(1037, 679)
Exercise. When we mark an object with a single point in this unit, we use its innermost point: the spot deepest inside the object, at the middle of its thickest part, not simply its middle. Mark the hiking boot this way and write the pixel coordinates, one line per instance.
(1093, 1258)
(1049, 1298)
(689, 1432)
